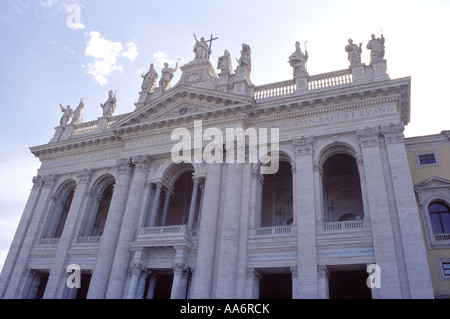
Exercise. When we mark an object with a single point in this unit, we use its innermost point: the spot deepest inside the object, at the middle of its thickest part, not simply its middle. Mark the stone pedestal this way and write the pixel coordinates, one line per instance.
(301, 83)
(242, 84)
(358, 72)
(379, 71)
(198, 73)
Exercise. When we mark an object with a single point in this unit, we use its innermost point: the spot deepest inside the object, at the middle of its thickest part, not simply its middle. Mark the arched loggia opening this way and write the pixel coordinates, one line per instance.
(277, 196)
(98, 207)
(342, 188)
(59, 210)
(180, 195)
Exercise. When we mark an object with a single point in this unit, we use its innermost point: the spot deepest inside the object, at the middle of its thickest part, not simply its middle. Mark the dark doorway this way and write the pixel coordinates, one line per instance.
(163, 286)
(83, 290)
(275, 286)
(349, 284)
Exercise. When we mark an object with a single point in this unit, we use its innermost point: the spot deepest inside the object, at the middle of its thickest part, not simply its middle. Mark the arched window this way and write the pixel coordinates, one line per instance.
(59, 210)
(440, 217)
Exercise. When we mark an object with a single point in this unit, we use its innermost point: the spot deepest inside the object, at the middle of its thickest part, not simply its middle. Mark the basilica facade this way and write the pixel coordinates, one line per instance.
(312, 198)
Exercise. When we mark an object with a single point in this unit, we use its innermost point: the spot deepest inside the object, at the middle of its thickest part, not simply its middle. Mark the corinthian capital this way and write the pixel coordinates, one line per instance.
(84, 176)
(393, 133)
(303, 145)
(124, 166)
(141, 163)
(368, 136)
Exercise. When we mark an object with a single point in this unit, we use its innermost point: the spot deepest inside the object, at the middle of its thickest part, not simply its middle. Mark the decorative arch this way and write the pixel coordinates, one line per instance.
(173, 171)
(334, 148)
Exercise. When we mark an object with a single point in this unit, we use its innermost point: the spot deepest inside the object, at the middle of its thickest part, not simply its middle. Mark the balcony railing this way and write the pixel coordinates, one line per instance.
(176, 229)
(48, 241)
(274, 230)
(88, 240)
(343, 226)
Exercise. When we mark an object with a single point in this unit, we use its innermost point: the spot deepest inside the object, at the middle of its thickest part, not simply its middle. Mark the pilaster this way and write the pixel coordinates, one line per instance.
(99, 281)
(226, 272)
(383, 239)
(19, 271)
(416, 263)
(56, 281)
(20, 235)
(207, 239)
(128, 227)
(305, 203)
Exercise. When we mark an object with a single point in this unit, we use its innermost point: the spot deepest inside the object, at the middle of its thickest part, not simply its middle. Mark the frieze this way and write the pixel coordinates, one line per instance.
(80, 159)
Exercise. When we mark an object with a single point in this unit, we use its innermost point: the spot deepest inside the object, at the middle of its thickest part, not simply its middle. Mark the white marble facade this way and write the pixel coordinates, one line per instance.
(109, 198)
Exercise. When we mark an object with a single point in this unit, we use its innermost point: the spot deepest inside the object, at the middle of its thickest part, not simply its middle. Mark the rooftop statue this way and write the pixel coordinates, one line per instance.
(354, 52)
(78, 114)
(110, 105)
(376, 45)
(201, 48)
(245, 60)
(167, 76)
(224, 63)
(148, 84)
(298, 60)
(67, 114)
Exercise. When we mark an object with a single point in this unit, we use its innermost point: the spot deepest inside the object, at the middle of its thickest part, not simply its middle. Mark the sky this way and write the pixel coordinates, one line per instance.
(59, 51)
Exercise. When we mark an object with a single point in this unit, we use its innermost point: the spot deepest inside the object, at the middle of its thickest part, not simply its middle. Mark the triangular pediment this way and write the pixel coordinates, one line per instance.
(184, 102)
(433, 183)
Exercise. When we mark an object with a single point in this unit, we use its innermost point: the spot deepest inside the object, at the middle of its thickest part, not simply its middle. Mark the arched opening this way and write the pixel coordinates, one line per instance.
(180, 200)
(277, 197)
(342, 189)
(439, 217)
(100, 201)
(62, 200)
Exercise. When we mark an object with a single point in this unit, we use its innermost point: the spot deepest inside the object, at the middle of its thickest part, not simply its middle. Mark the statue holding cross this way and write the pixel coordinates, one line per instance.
(201, 48)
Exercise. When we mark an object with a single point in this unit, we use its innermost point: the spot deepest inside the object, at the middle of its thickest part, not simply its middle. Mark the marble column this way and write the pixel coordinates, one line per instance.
(415, 258)
(193, 205)
(323, 279)
(228, 256)
(383, 239)
(252, 283)
(155, 208)
(207, 238)
(128, 228)
(100, 276)
(41, 205)
(56, 281)
(306, 218)
(169, 193)
(179, 281)
(136, 271)
(151, 285)
(140, 291)
(294, 276)
(200, 208)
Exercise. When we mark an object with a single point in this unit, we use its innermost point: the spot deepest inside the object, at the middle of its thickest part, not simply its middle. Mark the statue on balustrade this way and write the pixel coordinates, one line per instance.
(110, 105)
(298, 60)
(354, 52)
(78, 114)
(201, 48)
(67, 114)
(148, 84)
(245, 60)
(224, 63)
(167, 76)
(376, 45)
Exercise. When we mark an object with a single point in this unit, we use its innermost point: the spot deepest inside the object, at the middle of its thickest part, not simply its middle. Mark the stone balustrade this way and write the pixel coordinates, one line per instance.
(440, 237)
(274, 230)
(343, 226)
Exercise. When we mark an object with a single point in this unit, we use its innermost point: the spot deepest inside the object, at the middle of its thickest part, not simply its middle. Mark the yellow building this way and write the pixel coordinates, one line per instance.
(429, 160)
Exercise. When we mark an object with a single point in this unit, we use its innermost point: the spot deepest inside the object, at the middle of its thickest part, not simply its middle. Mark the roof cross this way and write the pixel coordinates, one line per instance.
(210, 43)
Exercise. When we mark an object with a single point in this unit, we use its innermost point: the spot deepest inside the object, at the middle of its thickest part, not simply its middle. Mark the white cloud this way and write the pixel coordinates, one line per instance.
(106, 55)
(159, 58)
(132, 51)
